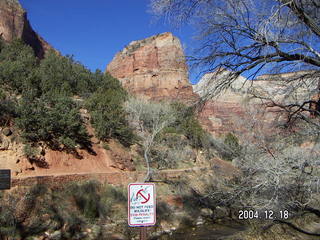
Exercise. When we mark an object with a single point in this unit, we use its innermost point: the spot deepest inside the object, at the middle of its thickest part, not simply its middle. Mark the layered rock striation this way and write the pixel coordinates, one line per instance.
(14, 24)
(219, 114)
(154, 68)
(257, 100)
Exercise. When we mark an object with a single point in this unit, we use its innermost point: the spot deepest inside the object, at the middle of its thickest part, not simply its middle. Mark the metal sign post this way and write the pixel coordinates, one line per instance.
(143, 233)
(5, 179)
(142, 206)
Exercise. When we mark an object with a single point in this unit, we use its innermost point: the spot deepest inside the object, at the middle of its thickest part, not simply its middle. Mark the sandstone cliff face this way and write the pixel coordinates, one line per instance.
(219, 115)
(235, 108)
(154, 68)
(14, 24)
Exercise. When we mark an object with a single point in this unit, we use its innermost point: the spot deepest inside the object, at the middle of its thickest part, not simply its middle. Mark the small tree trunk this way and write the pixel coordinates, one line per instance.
(147, 177)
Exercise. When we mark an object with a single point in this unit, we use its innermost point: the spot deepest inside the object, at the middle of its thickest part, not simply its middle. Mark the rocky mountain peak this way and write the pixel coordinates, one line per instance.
(154, 68)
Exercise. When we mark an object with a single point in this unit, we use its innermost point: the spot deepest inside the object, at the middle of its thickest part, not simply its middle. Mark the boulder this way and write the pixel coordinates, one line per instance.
(206, 212)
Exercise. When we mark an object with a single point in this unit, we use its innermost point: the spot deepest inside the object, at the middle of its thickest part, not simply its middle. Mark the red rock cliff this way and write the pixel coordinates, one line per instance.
(237, 109)
(154, 68)
(14, 24)
(220, 115)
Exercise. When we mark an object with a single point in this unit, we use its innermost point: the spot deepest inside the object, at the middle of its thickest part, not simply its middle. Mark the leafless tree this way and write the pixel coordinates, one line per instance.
(279, 170)
(251, 38)
(149, 119)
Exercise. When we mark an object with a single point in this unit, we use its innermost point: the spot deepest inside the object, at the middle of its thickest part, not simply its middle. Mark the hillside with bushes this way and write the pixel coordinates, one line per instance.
(227, 154)
(56, 104)
(59, 118)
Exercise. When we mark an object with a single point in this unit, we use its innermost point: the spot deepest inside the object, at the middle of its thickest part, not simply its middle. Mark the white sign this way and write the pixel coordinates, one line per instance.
(141, 204)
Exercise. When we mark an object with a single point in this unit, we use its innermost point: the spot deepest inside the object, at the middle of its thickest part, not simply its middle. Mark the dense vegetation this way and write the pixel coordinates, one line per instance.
(54, 121)
(170, 133)
(37, 98)
(64, 213)
(42, 100)
(187, 124)
(108, 117)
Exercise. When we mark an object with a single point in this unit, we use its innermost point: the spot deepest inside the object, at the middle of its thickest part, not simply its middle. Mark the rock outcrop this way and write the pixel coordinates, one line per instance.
(219, 115)
(154, 68)
(246, 100)
(14, 24)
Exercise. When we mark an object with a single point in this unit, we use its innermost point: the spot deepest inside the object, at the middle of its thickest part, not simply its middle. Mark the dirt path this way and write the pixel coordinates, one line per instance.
(118, 177)
(114, 177)
(220, 165)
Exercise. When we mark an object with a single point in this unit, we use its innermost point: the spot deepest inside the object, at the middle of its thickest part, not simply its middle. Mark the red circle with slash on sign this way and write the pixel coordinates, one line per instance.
(146, 199)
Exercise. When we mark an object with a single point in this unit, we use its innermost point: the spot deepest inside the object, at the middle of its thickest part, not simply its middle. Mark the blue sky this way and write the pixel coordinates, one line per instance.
(94, 31)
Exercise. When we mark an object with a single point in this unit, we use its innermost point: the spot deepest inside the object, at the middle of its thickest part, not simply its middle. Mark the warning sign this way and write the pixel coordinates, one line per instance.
(141, 204)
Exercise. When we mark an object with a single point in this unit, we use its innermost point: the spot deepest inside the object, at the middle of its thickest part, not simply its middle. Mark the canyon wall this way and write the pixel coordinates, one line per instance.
(14, 24)
(220, 115)
(252, 103)
(155, 68)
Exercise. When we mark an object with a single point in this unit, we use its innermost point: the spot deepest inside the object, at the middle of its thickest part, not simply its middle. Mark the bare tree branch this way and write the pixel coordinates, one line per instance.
(302, 14)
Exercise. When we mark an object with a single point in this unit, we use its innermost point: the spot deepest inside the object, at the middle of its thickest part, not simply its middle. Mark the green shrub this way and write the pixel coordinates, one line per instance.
(7, 109)
(2, 43)
(3, 94)
(87, 199)
(29, 212)
(56, 122)
(188, 125)
(114, 199)
(46, 112)
(8, 225)
(62, 75)
(106, 146)
(18, 68)
(21, 72)
(108, 115)
(116, 194)
(232, 142)
(29, 151)
(95, 200)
